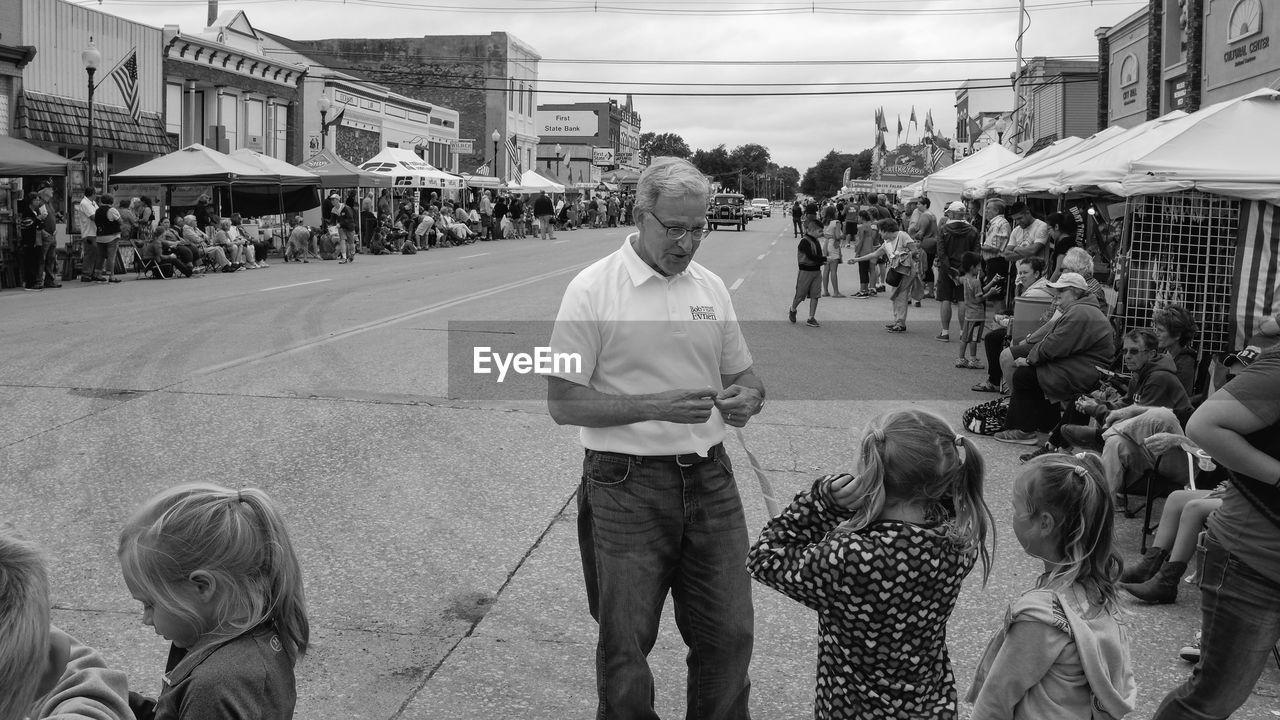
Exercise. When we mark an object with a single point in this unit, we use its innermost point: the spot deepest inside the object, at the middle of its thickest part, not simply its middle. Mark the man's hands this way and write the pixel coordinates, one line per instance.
(690, 407)
(738, 403)
(1088, 406)
(1160, 443)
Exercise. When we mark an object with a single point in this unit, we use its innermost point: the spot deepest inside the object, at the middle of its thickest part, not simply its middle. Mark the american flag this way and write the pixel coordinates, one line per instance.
(1256, 294)
(126, 77)
(514, 169)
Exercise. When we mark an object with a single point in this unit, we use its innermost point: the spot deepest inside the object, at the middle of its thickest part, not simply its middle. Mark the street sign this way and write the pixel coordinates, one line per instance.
(464, 147)
(602, 156)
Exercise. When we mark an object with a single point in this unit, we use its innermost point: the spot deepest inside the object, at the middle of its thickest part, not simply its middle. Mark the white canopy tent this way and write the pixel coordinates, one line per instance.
(410, 171)
(531, 181)
(981, 186)
(948, 184)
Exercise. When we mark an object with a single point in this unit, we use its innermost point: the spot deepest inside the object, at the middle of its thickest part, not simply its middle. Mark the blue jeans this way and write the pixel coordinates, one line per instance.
(647, 526)
(1241, 623)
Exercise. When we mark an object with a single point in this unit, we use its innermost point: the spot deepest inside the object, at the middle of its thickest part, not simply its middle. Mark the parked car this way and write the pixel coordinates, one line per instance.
(727, 209)
(763, 207)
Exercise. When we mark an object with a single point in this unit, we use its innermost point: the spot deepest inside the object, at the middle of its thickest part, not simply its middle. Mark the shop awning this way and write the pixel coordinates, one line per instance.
(193, 164)
(18, 157)
(62, 121)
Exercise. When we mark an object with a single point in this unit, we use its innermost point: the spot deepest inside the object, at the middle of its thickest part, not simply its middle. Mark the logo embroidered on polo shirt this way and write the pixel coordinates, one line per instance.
(703, 312)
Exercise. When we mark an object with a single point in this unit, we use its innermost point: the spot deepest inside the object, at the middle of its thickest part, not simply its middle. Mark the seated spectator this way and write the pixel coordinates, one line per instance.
(44, 672)
(234, 244)
(261, 247)
(202, 248)
(1155, 578)
(1033, 285)
(160, 246)
(1176, 331)
(1059, 367)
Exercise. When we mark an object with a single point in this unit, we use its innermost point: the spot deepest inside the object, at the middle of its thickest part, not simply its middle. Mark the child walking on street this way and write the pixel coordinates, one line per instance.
(975, 309)
(880, 555)
(809, 277)
(1061, 652)
(832, 239)
(217, 576)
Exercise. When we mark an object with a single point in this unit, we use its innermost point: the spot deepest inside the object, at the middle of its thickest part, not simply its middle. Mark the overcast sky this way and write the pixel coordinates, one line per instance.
(798, 130)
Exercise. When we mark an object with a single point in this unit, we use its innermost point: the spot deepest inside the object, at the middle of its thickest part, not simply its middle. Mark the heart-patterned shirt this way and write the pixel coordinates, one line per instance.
(883, 595)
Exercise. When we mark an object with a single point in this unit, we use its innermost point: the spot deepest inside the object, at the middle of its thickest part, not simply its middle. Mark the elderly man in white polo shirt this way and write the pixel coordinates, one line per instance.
(664, 370)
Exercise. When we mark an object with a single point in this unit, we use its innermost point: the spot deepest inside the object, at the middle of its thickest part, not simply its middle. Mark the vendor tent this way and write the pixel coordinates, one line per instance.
(193, 165)
(947, 184)
(18, 157)
(288, 174)
(621, 176)
(481, 181)
(982, 186)
(531, 181)
(295, 191)
(335, 172)
(407, 170)
(1215, 150)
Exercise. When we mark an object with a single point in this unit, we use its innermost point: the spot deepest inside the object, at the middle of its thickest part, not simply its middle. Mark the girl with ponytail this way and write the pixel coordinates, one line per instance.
(1061, 652)
(880, 554)
(218, 578)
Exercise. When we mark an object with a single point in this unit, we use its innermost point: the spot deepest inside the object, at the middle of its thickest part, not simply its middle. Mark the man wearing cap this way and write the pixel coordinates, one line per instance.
(343, 219)
(1029, 236)
(956, 238)
(1060, 367)
(663, 371)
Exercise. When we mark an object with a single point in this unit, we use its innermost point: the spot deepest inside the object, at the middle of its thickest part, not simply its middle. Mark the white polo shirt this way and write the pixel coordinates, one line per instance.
(638, 333)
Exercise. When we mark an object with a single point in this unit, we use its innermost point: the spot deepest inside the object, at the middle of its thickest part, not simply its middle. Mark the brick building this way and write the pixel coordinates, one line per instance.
(592, 137)
(1183, 55)
(490, 80)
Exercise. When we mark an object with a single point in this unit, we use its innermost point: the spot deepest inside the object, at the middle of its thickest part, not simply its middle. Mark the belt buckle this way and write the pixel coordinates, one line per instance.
(680, 460)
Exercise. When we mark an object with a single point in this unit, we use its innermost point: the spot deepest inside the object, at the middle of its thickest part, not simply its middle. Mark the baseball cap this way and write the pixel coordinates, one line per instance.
(1070, 280)
(957, 206)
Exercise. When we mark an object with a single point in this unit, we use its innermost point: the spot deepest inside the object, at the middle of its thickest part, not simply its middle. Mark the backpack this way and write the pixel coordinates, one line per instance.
(986, 418)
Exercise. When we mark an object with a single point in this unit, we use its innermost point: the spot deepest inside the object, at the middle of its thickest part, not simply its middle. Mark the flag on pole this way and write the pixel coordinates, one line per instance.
(514, 169)
(899, 128)
(912, 121)
(928, 122)
(337, 117)
(126, 78)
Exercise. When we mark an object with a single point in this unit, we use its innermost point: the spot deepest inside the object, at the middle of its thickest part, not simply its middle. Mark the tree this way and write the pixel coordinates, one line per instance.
(659, 144)
(825, 178)
(715, 164)
(788, 182)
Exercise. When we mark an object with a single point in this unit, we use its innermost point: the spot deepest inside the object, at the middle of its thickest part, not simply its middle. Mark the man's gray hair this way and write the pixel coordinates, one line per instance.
(1078, 260)
(669, 177)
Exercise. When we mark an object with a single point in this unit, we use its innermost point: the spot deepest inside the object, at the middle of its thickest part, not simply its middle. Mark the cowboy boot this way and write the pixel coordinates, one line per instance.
(1146, 567)
(1163, 588)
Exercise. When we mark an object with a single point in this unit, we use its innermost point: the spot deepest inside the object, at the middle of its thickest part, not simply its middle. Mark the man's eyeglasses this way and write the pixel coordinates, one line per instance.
(676, 233)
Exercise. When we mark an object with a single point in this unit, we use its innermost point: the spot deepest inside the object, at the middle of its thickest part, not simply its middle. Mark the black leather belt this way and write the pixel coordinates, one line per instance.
(684, 460)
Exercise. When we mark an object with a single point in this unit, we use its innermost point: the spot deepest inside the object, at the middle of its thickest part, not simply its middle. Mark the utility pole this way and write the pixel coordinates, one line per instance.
(1017, 76)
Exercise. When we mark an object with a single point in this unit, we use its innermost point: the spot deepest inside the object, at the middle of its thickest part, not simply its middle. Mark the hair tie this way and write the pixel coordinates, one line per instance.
(1081, 455)
(959, 440)
(239, 496)
(878, 435)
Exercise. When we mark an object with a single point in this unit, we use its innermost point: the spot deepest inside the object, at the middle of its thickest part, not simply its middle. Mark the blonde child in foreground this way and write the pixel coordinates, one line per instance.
(1061, 653)
(881, 555)
(44, 672)
(217, 576)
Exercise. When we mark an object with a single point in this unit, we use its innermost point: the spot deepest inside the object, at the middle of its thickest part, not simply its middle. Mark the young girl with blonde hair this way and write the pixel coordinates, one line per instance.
(217, 576)
(1061, 652)
(880, 555)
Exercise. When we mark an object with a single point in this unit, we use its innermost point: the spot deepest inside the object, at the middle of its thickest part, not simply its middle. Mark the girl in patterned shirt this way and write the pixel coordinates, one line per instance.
(1061, 653)
(881, 555)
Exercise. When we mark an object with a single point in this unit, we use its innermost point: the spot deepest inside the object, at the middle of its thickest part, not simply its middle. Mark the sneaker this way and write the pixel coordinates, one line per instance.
(1044, 449)
(985, 386)
(31, 289)
(943, 337)
(262, 264)
(879, 288)
(1017, 437)
(962, 363)
(812, 322)
(896, 328)
(113, 280)
(835, 295)
(826, 294)
(1191, 653)
(976, 364)
(862, 294)
(917, 303)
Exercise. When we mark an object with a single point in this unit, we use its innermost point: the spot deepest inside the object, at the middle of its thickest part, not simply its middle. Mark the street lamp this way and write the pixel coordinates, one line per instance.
(559, 151)
(325, 103)
(1000, 126)
(496, 137)
(91, 58)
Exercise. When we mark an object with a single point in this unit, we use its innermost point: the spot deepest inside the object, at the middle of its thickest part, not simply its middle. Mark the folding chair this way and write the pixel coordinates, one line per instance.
(143, 266)
(1156, 484)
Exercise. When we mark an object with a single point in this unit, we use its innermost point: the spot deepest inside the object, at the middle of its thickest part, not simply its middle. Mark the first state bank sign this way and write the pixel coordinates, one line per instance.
(567, 123)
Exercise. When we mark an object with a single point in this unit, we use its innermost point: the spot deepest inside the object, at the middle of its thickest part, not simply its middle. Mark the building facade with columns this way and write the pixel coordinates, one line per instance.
(223, 91)
(1183, 55)
(50, 96)
(490, 81)
(592, 137)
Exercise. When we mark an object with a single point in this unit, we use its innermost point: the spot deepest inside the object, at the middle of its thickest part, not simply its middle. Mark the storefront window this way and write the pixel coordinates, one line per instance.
(173, 109)
(281, 145)
(1246, 20)
(229, 116)
(254, 125)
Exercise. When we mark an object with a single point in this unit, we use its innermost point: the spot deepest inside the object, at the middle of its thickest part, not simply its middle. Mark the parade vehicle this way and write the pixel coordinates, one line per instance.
(763, 206)
(727, 209)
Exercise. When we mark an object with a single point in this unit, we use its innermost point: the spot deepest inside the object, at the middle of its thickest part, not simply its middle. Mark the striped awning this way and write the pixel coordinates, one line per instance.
(53, 120)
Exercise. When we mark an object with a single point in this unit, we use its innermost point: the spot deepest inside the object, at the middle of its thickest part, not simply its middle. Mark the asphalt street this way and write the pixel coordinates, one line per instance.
(432, 507)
